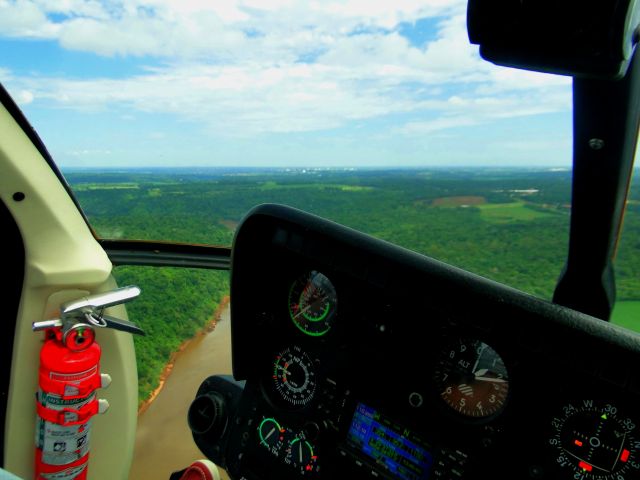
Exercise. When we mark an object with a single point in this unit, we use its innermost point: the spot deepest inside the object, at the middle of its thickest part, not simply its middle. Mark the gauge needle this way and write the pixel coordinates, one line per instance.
(491, 379)
(475, 365)
(303, 310)
(481, 372)
(300, 451)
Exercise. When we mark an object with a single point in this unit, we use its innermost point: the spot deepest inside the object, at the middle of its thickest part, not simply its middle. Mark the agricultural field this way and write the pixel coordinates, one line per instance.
(510, 225)
(627, 314)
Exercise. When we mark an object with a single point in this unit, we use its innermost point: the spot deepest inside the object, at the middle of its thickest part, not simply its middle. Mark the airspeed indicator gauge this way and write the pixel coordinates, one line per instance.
(472, 378)
(313, 303)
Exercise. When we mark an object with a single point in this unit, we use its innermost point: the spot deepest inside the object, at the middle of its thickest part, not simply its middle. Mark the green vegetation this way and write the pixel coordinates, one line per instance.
(511, 212)
(109, 186)
(175, 304)
(459, 201)
(508, 225)
(627, 314)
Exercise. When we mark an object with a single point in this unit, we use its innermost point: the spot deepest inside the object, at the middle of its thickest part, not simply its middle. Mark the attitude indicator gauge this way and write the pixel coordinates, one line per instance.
(313, 303)
(472, 379)
(294, 376)
(594, 441)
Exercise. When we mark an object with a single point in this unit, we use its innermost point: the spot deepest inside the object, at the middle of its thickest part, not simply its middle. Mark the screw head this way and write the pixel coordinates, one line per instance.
(415, 399)
(596, 143)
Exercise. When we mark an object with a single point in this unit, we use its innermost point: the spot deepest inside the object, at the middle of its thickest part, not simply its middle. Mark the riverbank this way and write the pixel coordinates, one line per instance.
(166, 371)
(163, 440)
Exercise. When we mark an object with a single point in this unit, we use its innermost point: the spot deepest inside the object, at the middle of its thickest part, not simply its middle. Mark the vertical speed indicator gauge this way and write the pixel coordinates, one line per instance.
(313, 303)
(472, 379)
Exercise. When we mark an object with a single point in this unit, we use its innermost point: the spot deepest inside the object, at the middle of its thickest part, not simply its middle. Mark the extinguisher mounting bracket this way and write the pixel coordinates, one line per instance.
(96, 302)
(90, 312)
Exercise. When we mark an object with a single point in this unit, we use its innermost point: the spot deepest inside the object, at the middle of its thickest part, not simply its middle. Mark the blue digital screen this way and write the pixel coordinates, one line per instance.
(388, 444)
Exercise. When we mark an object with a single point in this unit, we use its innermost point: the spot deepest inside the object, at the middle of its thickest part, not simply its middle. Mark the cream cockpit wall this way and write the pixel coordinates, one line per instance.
(63, 261)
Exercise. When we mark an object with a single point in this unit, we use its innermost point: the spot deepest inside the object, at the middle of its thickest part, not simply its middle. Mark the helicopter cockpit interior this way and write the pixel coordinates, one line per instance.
(364, 360)
(357, 358)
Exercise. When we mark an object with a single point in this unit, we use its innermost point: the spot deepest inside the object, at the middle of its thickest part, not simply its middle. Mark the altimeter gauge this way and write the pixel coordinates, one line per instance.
(472, 378)
(595, 441)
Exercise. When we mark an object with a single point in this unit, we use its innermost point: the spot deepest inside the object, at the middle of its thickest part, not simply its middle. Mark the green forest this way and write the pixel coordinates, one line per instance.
(510, 225)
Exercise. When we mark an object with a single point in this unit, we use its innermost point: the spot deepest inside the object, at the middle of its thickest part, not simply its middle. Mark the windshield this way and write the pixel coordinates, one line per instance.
(382, 117)
(171, 120)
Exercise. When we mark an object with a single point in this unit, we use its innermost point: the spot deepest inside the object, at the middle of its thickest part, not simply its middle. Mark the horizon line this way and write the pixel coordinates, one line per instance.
(317, 168)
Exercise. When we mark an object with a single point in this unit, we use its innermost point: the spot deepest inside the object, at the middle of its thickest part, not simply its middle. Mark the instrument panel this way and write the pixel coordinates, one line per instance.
(364, 360)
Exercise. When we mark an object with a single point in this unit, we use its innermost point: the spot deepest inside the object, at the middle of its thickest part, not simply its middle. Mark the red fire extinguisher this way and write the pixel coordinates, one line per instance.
(69, 377)
(66, 400)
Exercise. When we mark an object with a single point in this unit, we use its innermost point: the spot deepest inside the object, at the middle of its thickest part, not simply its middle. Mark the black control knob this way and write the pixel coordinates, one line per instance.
(208, 414)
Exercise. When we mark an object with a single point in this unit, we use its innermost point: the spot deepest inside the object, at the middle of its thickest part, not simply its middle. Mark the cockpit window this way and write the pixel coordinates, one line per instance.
(627, 264)
(171, 120)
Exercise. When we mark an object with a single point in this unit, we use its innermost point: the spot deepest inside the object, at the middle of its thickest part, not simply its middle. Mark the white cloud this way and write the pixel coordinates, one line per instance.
(167, 28)
(469, 111)
(387, 14)
(235, 65)
(25, 19)
(536, 145)
(89, 8)
(88, 152)
(443, 123)
(25, 97)
(514, 79)
(231, 100)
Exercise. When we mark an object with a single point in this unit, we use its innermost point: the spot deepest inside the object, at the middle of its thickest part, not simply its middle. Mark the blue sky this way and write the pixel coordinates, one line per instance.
(273, 83)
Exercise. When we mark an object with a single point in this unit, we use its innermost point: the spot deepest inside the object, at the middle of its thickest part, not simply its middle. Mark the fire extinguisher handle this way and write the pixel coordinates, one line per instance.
(99, 301)
(45, 324)
(107, 321)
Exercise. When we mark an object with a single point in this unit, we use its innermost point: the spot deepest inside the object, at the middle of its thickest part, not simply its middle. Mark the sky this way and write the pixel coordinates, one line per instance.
(279, 83)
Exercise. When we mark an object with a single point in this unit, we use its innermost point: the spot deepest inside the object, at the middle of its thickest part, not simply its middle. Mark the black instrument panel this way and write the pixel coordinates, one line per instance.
(365, 360)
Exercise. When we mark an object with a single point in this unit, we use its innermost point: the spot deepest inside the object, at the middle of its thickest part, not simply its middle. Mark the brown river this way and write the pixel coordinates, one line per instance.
(163, 439)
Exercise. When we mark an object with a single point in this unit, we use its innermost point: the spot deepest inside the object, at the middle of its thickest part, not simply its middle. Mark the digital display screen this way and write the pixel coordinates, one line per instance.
(388, 444)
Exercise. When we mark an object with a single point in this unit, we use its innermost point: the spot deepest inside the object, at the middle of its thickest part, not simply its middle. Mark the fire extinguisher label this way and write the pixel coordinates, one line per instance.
(68, 474)
(63, 444)
(56, 402)
(73, 377)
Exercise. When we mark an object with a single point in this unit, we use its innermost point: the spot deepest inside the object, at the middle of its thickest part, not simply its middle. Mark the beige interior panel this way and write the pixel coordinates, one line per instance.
(63, 260)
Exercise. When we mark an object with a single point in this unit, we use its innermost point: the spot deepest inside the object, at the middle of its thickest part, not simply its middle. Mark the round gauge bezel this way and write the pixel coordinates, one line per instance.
(568, 456)
(273, 443)
(308, 324)
(281, 442)
(288, 392)
(311, 458)
(450, 387)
